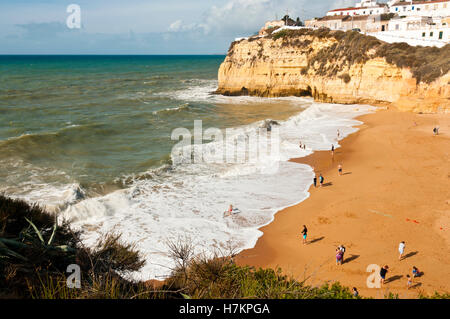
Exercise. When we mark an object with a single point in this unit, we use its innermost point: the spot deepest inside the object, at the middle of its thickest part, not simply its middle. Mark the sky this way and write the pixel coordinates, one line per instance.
(142, 26)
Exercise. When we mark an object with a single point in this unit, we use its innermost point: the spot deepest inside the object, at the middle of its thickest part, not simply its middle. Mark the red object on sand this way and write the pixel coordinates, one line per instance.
(407, 219)
(415, 221)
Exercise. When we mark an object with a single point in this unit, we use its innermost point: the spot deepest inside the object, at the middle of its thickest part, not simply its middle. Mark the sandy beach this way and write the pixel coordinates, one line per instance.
(395, 187)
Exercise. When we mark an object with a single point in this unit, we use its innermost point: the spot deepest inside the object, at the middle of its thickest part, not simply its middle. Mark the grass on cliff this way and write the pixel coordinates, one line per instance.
(35, 253)
(426, 63)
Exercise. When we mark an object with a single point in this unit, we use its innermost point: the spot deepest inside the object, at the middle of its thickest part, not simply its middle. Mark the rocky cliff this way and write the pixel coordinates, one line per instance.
(338, 67)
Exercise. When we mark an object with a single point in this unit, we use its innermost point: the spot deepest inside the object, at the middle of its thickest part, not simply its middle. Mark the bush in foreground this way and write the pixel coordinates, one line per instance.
(35, 251)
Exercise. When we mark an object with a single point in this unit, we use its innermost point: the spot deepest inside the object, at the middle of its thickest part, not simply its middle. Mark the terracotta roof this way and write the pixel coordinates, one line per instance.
(405, 3)
(360, 8)
(345, 9)
(326, 18)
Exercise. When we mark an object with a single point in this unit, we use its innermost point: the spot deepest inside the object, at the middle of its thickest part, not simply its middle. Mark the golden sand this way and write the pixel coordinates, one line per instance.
(395, 187)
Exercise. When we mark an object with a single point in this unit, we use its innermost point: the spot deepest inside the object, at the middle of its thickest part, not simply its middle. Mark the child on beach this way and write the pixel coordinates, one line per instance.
(332, 150)
(321, 180)
(340, 169)
(305, 234)
(409, 281)
(415, 272)
(401, 250)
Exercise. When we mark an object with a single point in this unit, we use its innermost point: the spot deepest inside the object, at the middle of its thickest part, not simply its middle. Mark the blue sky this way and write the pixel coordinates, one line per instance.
(142, 26)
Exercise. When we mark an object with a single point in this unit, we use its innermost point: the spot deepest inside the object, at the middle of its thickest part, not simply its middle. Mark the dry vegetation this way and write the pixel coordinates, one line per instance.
(35, 253)
(351, 47)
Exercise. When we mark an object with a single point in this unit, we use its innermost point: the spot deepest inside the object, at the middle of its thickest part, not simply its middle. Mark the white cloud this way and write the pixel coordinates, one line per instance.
(343, 4)
(244, 17)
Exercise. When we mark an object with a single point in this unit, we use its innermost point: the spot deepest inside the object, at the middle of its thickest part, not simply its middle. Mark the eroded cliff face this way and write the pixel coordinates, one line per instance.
(272, 67)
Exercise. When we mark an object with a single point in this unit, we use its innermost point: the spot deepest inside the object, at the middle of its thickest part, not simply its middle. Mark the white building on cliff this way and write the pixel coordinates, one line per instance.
(415, 22)
(365, 7)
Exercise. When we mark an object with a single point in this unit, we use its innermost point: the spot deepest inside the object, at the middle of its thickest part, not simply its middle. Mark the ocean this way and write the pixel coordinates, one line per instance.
(89, 138)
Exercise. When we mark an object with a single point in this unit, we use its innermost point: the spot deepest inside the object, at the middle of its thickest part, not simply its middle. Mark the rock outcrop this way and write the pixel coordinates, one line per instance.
(338, 67)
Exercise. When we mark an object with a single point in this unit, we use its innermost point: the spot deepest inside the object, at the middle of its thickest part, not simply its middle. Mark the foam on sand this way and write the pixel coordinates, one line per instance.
(188, 200)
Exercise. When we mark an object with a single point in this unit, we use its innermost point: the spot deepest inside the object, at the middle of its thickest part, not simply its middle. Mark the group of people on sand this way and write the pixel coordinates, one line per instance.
(340, 252)
(321, 179)
(409, 277)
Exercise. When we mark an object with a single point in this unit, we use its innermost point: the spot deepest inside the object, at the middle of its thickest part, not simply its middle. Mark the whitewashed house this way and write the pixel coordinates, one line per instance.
(365, 7)
(432, 8)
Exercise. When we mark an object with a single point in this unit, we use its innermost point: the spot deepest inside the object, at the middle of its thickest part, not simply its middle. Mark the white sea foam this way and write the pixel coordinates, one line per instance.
(189, 200)
(203, 91)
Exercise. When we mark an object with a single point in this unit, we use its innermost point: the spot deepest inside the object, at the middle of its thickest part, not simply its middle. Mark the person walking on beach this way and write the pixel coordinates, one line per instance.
(315, 181)
(342, 248)
(401, 250)
(340, 169)
(436, 130)
(338, 256)
(338, 134)
(321, 180)
(355, 292)
(332, 150)
(383, 272)
(305, 234)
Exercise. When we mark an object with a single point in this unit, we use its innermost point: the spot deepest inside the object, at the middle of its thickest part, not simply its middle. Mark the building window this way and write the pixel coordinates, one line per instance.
(397, 27)
(423, 34)
(431, 34)
(396, 9)
(441, 35)
(413, 8)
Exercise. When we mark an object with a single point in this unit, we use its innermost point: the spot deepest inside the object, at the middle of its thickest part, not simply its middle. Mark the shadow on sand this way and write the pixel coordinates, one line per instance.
(315, 240)
(413, 253)
(393, 278)
(350, 259)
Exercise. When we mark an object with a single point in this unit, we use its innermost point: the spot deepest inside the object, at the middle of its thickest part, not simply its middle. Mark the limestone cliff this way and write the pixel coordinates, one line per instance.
(338, 67)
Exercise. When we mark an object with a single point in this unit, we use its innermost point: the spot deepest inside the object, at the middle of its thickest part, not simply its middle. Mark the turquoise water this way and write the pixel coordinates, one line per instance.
(89, 137)
(92, 120)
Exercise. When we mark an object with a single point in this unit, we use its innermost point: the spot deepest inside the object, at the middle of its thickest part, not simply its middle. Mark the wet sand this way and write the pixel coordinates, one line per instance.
(395, 187)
